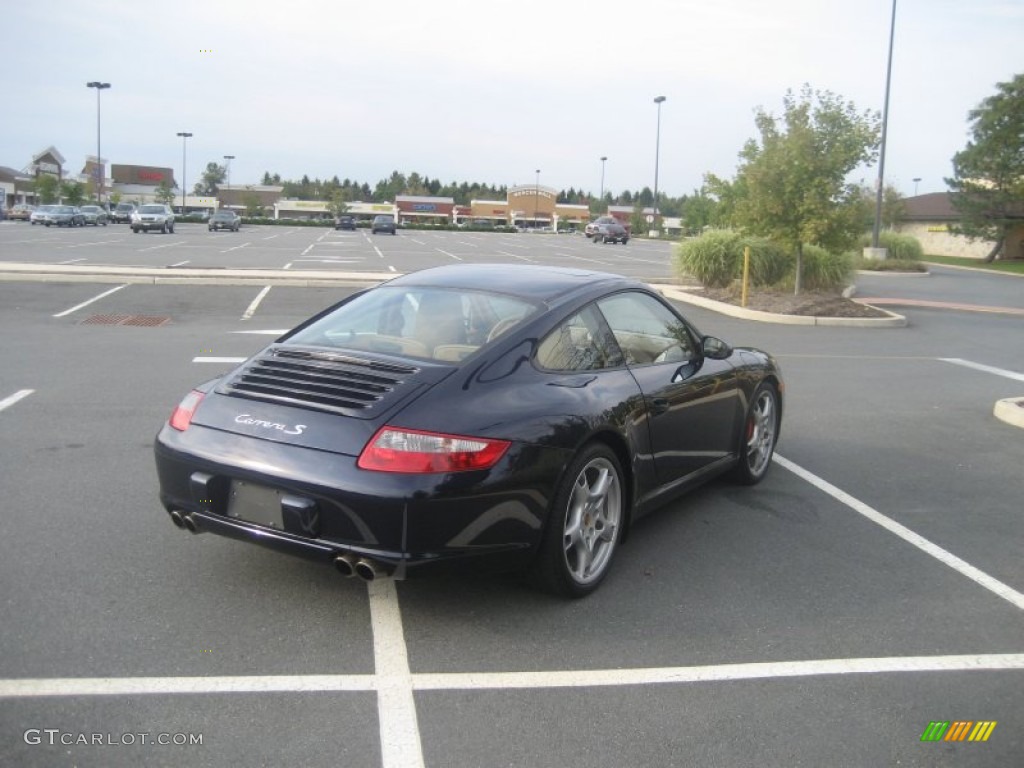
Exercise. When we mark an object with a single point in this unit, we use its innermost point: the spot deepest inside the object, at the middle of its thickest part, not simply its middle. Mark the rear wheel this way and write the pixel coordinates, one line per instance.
(585, 525)
(760, 431)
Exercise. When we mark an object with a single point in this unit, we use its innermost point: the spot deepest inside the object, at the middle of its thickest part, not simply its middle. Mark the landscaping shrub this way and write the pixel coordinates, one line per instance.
(769, 262)
(824, 271)
(900, 247)
(714, 258)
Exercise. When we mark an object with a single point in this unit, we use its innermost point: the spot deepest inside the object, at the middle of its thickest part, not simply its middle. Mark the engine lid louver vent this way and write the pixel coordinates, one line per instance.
(322, 380)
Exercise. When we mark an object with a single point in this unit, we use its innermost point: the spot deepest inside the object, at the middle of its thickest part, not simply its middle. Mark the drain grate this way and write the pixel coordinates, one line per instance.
(145, 321)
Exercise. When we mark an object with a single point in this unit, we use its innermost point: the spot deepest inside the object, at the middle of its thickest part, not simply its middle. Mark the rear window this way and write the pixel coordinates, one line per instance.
(445, 325)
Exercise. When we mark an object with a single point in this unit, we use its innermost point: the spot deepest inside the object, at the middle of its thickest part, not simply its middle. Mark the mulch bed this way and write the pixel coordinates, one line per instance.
(809, 303)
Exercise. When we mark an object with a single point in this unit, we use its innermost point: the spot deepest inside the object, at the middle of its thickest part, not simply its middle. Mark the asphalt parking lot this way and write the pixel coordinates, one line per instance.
(871, 585)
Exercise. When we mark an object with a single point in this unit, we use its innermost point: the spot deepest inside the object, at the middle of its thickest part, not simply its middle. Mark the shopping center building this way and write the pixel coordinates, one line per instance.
(528, 206)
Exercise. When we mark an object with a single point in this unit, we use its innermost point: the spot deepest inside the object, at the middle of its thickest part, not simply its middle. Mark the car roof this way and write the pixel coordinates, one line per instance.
(533, 283)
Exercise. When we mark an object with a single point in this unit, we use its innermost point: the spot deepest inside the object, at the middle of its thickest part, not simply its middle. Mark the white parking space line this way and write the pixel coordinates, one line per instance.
(396, 708)
(72, 261)
(308, 249)
(10, 400)
(378, 251)
(418, 242)
(251, 310)
(157, 247)
(288, 265)
(94, 242)
(748, 671)
(457, 258)
(391, 268)
(219, 359)
(943, 556)
(90, 301)
(985, 368)
(22, 688)
(181, 263)
(271, 237)
(236, 248)
(130, 686)
(516, 256)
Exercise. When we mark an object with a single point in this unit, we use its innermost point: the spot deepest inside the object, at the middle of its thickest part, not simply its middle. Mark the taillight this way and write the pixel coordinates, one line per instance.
(416, 452)
(182, 415)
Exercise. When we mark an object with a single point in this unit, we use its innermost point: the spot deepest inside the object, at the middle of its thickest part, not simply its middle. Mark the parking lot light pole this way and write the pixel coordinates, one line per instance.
(880, 183)
(99, 163)
(916, 180)
(657, 148)
(536, 198)
(602, 178)
(229, 158)
(184, 138)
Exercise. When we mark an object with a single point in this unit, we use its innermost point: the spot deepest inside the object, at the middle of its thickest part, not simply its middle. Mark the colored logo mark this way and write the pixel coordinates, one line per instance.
(958, 730)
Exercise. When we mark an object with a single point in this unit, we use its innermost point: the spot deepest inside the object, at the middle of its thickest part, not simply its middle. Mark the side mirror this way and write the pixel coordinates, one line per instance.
(715, 348)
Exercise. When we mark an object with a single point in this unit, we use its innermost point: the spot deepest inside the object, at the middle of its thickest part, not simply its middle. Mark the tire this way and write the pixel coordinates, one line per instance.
(163, 228)
(135, 230)
(625, 240)
(758, 436)
(584, 526)
(171, 229)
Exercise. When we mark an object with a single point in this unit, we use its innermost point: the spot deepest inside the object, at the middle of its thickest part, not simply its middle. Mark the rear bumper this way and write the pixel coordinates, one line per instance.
(409, 525)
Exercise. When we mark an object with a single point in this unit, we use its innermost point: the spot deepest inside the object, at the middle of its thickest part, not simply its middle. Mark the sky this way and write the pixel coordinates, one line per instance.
(488, 92)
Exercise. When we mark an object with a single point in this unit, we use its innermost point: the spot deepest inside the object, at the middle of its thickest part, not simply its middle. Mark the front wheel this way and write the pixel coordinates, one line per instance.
(585, 524)
(760, 431)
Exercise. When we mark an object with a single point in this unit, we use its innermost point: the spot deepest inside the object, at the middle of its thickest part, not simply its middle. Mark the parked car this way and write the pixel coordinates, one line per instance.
(470, 416)
(224, 220)
(153, 216)
(41, 215)
(606, 230)
(383, 223)
(21, 212)
(66, 216)
(94, 215)
(345, 222)
(122, 213)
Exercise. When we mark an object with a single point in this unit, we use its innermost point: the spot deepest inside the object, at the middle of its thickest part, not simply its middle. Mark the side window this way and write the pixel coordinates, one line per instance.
(647, 332)
(578, 344)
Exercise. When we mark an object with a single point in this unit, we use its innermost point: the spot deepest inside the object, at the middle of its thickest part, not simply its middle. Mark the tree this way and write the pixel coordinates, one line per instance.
(252, 203)
(72, 192)
(45, 187)
(164, 194)
(338, 203)
(791, 185)
(988, 174)
(211, 180)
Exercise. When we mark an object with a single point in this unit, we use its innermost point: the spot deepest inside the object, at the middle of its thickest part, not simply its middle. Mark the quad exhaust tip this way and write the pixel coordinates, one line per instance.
(367, 570)
(346, 565)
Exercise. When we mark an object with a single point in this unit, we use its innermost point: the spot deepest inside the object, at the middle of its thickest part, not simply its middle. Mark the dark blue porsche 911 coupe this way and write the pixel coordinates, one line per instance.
(472, 416)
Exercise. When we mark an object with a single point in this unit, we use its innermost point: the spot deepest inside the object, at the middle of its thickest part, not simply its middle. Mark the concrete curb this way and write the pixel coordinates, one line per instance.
(883, 273)
(70, 273)
(674, 292)
(1010, 410)
(971, 269)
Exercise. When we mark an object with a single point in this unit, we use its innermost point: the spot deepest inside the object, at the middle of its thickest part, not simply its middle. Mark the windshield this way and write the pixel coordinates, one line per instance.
(414, 321)
(152, 209)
